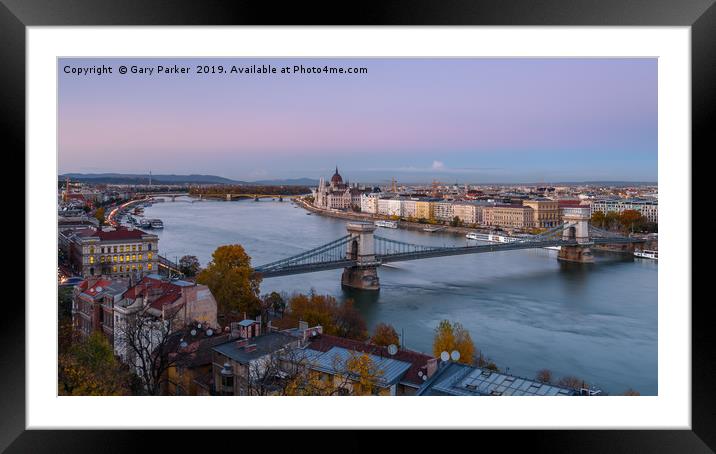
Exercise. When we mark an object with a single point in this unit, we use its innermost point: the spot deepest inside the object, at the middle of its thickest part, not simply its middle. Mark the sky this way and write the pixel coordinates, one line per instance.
(454, 120)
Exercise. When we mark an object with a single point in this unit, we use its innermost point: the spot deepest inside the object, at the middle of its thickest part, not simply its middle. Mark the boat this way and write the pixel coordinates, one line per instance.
(500, 238)
(554, 248)
(157, 224)
(433, 229)
(145, 224)
(477, 236)
(387, 224)
(647, 254)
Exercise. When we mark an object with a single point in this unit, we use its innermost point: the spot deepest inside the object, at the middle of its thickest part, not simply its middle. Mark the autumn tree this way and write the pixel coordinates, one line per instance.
(89, 368)
(364, 371)
(231, 280)
(598, 219)
(630, 219)
(449, 337)
(349, 322)
(189, 265)
(337, 319)
(384, 334)
(99, 215)
(611, 220)
(571, 382)
(544, 376)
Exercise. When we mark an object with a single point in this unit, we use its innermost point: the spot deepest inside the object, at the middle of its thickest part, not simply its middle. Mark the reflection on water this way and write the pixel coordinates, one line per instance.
(524, 309)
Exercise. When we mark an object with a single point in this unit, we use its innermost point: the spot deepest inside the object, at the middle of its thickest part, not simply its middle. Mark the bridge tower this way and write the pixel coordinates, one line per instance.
(228, 197)
(576, 230)
(361, 248)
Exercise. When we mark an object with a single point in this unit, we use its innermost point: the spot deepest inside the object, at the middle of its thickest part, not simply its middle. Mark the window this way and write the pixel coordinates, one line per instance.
(126, 258)
(134, 257)
(140, 247)
(115, 249)
(149, 266)
(121, 248)
(134, 267)
(101, 259)
(114, 258)
(149, 247)
(91, 259)
(149, 256)
(140, 266)
(91, 249)
(140, 257)
(114, 269)
(134, 247)
(121, 258)
(121, 269)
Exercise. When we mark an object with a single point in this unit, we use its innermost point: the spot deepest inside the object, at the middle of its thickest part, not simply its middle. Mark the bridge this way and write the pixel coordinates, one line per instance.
(361, 252)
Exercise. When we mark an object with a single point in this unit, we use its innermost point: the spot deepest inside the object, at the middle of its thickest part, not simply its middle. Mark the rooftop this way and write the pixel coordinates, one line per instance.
(456, 379)
(265, 345)
(389, 370)
(120, 233)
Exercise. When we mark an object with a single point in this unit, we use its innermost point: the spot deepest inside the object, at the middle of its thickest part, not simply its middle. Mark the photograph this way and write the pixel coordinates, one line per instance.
(358, 226)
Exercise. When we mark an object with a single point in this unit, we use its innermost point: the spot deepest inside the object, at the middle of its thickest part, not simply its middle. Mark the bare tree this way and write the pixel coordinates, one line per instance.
(544, 376)
(148, 344)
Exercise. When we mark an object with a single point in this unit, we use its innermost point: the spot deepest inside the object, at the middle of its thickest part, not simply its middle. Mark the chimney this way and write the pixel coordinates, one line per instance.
(432, 366)
(242, 343)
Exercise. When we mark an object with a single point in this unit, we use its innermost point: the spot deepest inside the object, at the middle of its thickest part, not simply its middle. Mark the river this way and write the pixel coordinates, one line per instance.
(524, 309)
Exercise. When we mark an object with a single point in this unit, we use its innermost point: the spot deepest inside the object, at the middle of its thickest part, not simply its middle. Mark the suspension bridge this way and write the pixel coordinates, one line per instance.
(361, 252)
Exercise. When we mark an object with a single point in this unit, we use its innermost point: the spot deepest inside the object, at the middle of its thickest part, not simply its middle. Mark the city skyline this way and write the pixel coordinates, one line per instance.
(470, 120)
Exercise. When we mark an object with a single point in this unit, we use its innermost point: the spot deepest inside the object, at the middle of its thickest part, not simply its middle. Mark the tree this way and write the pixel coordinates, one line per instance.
(89, 368)
(231, 280)
(456, 222)
(189, 265)
(276, 302)
(544, 376)
(384, 334)
(361, 367)
(146, 342)
(99, 215)
(449, 337)
(571, 382)
(611, 220)
(598, 219)
(342, 320)
(349, 322)
(629, 219)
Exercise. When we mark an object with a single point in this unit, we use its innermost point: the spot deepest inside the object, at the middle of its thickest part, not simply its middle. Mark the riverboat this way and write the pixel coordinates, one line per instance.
(386, 224)
(647, 254)
(157, 224)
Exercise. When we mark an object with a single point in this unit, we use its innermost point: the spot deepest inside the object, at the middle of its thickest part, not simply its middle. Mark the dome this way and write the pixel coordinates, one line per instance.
(336, 178)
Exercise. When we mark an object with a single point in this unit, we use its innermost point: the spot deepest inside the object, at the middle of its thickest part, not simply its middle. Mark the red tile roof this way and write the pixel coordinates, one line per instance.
(162, 292)
(121, 233)
(418, 360)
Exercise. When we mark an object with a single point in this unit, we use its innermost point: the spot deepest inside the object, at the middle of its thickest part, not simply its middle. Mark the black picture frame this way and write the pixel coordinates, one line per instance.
(16, 15)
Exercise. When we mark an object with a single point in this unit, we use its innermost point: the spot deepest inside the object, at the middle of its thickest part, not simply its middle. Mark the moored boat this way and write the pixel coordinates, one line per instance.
(387, 224)
(647, 254)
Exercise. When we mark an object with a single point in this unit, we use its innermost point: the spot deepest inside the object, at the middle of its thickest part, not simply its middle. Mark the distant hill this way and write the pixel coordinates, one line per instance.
(287, 182)
(124, 178)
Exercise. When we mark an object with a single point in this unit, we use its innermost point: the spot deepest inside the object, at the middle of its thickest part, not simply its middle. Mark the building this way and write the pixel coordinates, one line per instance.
(390, 207)
(93, 305)
(408, 208)
(369, 203)
(112, 252)
(508, 216)
(545, 212)
(425, 209)
(648, 208)
(443, 211)
(469, 212)
(175, 302)
(455, 379)
(336, 194)
(190, 358)
(401, 373)
(240, 364)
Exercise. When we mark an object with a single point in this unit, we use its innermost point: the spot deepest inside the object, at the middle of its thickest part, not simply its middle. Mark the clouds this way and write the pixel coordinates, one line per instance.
(438, 165)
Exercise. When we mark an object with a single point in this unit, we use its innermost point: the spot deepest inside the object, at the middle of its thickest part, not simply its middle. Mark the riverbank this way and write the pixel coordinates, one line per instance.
(402, 224)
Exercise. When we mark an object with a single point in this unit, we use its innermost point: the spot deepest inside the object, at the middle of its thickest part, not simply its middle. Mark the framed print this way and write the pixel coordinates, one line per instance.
(414, 217)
